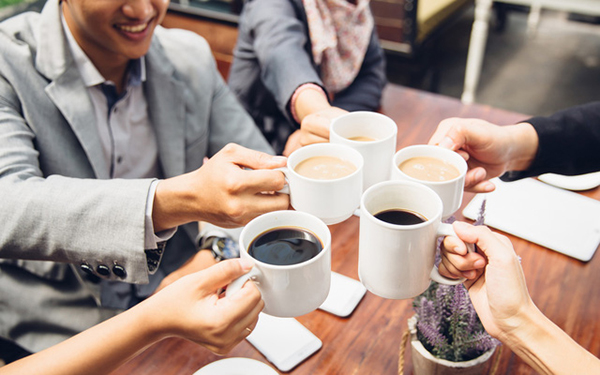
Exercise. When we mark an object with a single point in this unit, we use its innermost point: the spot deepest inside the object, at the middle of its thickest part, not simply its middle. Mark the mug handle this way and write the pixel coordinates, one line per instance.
(447, 230)
(238, 283)
(286, 187)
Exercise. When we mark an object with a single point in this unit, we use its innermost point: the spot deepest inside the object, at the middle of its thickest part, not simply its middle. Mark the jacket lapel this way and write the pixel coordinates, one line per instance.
(66, 88)
(166, 107)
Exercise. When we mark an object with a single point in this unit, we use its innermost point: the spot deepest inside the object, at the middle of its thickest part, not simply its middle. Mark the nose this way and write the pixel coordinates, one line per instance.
(138, 9)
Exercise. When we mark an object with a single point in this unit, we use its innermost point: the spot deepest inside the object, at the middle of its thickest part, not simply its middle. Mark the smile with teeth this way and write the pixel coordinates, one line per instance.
(133, 29)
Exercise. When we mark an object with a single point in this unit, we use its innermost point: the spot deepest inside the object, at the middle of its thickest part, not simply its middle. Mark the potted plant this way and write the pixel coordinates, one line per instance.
(446, 334)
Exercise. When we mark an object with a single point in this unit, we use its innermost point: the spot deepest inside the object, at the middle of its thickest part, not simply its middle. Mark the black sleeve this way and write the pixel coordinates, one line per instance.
(569, 143)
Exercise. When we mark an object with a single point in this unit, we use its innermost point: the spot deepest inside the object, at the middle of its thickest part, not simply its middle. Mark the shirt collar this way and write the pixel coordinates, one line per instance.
(90, 75)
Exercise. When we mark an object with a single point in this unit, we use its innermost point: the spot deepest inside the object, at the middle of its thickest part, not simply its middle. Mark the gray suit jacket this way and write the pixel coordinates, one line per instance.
(57, 206)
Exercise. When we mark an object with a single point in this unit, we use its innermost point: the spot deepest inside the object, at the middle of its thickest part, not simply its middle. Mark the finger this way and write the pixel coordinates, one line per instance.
(451, 134)
(245, 157)
(476, 181)
(243, 306)
(250, 319)
(263, 203)
(260, 180)
(293, 143)
(447, 269)
(311, 138)
(483, 187)
(492, 245)
(454, 245)
(441, 132)
(316, 125)
(221, 274)
(463, 263)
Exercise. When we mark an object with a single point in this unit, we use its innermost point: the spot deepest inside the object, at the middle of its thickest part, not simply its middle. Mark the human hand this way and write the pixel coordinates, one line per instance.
(229, 190)
(498, 291)
(292, 143)
(490, 150)
(191, 307)
(315, 126)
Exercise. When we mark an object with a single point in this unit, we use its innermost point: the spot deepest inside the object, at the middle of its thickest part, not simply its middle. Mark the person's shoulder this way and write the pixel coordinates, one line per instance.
(179, 39)
(20, 28)
(186, 50)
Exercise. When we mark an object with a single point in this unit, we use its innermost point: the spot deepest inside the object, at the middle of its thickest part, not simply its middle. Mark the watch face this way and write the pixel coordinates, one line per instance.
(229, 248)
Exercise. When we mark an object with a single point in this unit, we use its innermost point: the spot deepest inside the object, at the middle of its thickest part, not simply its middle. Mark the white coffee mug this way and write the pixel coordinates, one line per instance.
(397, 261)
(288, 290)
(450, 191)
(333, 200)
(378, 151)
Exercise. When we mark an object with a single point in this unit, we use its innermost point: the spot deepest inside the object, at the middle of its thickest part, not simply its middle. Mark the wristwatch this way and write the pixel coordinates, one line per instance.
(221, 247)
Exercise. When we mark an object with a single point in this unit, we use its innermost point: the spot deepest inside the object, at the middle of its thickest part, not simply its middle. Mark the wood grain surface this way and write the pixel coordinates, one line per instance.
(368, 341)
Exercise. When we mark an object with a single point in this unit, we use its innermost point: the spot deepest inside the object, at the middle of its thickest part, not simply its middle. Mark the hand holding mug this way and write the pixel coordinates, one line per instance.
(400, 222)
(291, 251)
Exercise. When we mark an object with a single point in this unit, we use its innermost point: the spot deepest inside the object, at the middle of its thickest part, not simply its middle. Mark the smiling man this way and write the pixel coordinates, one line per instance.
(105, 120)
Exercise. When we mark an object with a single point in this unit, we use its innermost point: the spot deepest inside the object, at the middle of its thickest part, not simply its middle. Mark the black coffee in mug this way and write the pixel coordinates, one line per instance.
(285, 246)
(400, 217)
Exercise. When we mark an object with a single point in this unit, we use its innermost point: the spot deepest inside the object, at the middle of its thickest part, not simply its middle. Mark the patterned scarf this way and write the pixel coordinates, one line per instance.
(340, 33)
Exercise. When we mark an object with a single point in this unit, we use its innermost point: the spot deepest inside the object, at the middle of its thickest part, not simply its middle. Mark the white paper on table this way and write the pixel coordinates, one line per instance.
(558, 219)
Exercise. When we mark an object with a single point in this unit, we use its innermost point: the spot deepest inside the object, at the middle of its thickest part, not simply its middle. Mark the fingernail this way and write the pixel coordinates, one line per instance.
(479, 263)
(279, 159)
(246, 264)
(489, 187)
(447, 142)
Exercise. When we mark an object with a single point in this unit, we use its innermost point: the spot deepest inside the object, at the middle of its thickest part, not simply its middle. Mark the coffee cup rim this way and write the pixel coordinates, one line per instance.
(325, 242)
(337, 120)
(356, 155)
(433, 196)
(463, 167)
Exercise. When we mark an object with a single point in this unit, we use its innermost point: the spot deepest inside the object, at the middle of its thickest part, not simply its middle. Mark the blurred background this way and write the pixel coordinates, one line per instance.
(531, 70)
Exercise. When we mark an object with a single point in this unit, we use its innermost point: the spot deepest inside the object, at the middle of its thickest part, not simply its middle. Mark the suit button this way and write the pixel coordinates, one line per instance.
(103, 270)
(87, 269)
(119, 271)
(90, 275)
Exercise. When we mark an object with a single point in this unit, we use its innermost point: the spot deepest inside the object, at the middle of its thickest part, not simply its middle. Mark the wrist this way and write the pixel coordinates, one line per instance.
(172, 204)
(520, 330)
(307, 99)
(154, 327)
(523, 147)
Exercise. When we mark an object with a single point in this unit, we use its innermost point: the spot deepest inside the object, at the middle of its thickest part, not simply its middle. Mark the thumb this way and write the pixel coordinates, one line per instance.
(223, 273)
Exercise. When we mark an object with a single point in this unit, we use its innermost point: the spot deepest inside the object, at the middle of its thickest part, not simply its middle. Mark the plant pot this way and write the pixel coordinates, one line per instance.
(424, 363)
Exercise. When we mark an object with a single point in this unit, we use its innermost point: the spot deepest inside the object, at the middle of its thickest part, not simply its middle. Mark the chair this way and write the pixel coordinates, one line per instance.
(409, 31)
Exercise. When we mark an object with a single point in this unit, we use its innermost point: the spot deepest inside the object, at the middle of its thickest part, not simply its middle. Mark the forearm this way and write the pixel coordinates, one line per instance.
(548, 349)
(98, 350)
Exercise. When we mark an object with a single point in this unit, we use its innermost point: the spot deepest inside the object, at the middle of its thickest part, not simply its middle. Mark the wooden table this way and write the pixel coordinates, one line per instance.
(368, 342)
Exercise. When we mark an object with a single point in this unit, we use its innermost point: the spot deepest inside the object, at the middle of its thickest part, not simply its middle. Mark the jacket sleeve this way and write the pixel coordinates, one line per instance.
(280, 39)
(364, 94)
(569, 143)
(59, 218)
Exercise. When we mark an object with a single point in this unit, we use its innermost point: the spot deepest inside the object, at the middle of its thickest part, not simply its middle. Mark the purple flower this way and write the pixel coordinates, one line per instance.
(447, 323)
